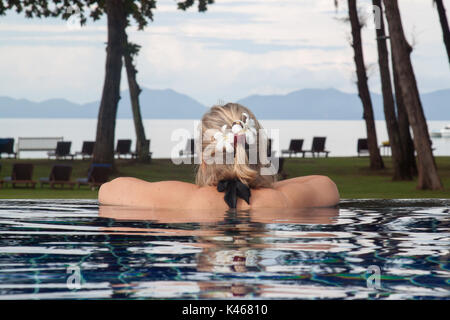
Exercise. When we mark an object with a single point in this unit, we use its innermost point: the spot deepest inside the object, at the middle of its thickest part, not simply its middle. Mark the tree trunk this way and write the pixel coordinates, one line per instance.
(404, 129)
(398, 161)
(428, 176)
(444, 25)
(376, 162)
(106, 123)
(141, 145)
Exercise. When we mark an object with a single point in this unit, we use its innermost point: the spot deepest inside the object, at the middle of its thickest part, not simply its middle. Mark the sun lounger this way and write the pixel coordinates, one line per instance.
(135, 154)
(97, 175)
(318, 147)
(362, 147)
(123, 148)
(189, 150)
(62, 150)
(295, 146)
(60, 174)
(269, 148)
(22, 173)
(7, 146)
(87, 150)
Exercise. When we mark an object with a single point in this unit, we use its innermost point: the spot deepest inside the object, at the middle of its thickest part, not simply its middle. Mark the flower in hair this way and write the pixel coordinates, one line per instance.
(224, 139)
(248, 128)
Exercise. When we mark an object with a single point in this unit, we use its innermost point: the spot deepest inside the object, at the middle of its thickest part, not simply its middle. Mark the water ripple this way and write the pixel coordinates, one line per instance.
(130, 253)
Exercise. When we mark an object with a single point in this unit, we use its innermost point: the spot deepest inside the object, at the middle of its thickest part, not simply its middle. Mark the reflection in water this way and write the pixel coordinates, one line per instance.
(225, 242)
(135, 253)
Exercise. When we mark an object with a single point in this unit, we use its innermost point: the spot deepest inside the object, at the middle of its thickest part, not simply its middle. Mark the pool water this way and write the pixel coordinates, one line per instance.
(74, 249)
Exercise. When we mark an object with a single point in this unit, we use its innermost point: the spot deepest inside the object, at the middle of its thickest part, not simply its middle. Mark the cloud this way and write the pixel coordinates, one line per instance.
(233, 74)
(42, 72)
(235, 49)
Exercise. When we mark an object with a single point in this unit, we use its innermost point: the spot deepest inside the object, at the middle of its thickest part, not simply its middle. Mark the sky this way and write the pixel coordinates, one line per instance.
(235, 49)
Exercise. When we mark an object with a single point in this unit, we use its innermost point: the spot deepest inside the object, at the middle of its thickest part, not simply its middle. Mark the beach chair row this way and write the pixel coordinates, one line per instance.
(62, 149)
(189, 149)
(317, 148)
(123, 149)
(60, 175)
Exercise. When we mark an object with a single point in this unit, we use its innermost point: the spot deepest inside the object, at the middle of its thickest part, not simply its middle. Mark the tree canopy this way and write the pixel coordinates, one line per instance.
(140, 10)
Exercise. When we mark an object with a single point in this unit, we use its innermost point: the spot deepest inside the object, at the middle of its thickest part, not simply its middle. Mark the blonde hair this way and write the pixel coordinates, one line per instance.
(249, 174)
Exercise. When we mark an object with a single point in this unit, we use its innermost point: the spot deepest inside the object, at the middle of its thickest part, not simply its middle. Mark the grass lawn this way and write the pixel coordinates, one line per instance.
(351, 174)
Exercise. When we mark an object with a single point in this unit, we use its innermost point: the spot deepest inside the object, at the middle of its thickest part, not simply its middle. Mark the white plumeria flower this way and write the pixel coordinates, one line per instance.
(237, 127)
(247, 128)
(224, 139)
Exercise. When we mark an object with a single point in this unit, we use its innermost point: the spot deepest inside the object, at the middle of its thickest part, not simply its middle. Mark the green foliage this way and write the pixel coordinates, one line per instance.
(141, 11)
(352, 176)
(132, 49)
(202, 4)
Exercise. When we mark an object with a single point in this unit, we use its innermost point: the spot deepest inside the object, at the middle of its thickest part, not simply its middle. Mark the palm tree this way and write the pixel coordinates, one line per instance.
(131, 50)
(106, 122)
(407, 144)
(444, 24)
(428, 177)
(376, 162)
(117, 12)
(400, 167)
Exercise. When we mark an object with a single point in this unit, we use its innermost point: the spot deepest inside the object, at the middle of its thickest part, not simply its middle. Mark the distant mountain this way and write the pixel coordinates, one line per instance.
(163, 104)
(311, 104)
(159, 104)
(306, 104)
(54, 108)
(332, 104)
(437, 105)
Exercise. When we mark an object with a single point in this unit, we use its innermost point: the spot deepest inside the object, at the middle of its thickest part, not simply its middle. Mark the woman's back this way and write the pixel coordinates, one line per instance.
(235, 172)
(310, 191)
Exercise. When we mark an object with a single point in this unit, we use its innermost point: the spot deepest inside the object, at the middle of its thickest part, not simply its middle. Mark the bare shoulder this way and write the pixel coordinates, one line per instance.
(137, 192)
(309, 191)
(268, 198)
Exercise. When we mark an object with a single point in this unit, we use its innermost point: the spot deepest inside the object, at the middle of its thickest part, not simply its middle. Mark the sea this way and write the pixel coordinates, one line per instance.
(168, 136)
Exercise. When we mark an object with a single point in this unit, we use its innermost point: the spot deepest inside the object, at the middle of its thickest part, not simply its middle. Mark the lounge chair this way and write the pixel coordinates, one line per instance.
(123, 148)
(62, 150)
(135, 154)
(189, 150)
(318, 147)
(60, 174)
(7, 146)
(22, 173)
(269, 148)
(362, 147)
(87, 150)
(97, 175)
(295, 146)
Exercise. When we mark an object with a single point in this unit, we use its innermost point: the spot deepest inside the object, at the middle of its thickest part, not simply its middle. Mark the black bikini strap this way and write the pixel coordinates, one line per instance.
(234, 188)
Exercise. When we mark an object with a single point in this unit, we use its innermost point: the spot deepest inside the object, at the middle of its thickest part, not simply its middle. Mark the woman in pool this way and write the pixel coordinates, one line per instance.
(227, 172)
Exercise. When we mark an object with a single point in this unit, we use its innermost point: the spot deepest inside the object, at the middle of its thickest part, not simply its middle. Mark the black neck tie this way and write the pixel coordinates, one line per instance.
(233, 189)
